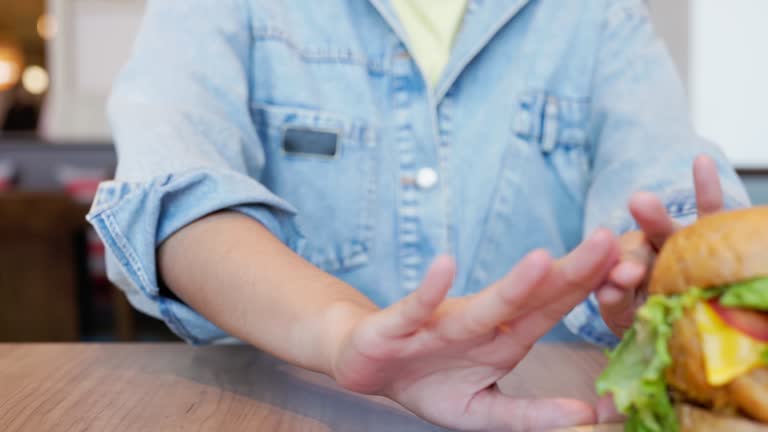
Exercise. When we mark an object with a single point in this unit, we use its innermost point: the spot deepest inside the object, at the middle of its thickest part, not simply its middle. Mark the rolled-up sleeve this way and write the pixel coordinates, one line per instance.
(186, 148)
(643, 139)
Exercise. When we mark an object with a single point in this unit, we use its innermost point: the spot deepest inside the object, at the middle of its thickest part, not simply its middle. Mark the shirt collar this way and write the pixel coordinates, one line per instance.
(483, 20)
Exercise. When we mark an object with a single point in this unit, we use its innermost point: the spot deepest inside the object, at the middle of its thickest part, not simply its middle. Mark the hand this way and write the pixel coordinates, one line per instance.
(626, 287)
(441, 358)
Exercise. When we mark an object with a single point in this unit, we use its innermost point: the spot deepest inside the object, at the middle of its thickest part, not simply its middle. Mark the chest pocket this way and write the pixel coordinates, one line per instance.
(557, 127)
(324, 165)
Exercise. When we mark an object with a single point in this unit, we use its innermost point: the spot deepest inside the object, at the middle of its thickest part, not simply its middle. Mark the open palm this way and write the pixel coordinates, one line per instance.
(441, 358)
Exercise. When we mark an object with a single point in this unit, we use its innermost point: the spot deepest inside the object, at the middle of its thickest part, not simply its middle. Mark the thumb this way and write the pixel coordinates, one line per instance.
(607, 412)
(652, 218)
(507, 413)
(625, 286)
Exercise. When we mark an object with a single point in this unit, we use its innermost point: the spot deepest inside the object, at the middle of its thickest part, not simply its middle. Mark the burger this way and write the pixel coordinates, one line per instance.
(696, 356)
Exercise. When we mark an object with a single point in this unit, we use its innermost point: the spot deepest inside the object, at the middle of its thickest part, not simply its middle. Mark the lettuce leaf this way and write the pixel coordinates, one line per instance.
(635, 372)
(750, 294)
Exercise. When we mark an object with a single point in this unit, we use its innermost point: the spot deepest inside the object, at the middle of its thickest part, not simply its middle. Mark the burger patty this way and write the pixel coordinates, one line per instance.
(686, 375)
(695, 419)
(750, 392)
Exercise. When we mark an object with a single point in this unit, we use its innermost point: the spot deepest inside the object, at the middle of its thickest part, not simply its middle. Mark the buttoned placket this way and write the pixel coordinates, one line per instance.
(413, 178)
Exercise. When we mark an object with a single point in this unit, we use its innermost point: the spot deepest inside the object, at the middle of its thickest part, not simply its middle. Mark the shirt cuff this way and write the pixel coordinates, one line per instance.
(133, 218)
(586, 322)
(680, 205)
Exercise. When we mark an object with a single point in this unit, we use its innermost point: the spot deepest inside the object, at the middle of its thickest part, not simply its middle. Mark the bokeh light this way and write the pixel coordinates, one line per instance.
(35, 80)
(47, 27)
(11, 62)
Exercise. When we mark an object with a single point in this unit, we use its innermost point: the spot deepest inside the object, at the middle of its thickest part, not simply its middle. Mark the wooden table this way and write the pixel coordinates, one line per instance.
(175, 387)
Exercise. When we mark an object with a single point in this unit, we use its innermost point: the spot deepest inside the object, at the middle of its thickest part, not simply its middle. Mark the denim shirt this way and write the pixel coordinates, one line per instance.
(313, 119)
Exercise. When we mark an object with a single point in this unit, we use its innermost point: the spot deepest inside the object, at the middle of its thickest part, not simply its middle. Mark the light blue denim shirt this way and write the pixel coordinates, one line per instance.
(312, 118)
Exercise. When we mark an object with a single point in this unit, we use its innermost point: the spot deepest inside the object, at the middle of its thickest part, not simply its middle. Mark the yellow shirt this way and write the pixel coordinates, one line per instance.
(431, 27)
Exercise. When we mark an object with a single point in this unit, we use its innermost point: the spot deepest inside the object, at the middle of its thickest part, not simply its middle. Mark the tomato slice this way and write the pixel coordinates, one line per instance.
(750, 322)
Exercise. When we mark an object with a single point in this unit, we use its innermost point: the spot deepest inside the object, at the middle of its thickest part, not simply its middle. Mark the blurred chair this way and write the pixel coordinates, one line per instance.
(39, 237)
(42, 267)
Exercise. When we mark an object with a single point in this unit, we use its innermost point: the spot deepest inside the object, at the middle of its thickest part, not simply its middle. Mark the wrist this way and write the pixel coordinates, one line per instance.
(341, 319)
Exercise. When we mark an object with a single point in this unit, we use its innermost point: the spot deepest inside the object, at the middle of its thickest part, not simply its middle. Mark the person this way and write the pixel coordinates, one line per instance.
(289, 170)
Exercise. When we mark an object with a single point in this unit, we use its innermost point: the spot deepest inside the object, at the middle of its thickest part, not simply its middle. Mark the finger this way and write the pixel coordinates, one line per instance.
(636, 247)
(616, 307)
(619, 297)
(503, 300)
(503, 412)
(574, 277)
(610, 295)
(622, 287)
(652, 218)
(709, 192)
(588, 263)
(628, 275)
(531, 286)
(414, 311)
(579, 273)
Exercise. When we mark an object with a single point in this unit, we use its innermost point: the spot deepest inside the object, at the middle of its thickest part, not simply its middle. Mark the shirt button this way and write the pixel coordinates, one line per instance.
(426, 178)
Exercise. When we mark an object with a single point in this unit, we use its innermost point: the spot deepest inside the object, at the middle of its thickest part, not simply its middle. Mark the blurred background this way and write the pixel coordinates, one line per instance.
(59, 57)
(57, 61)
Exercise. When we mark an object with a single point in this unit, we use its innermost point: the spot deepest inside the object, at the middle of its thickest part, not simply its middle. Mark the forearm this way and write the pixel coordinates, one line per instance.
(237, 274)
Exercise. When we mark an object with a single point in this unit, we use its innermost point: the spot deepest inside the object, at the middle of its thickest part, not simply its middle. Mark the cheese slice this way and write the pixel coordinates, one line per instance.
(728, 353)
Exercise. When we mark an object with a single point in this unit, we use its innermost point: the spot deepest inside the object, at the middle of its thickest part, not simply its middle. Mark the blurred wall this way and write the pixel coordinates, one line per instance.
(719, 49)
(671, 20)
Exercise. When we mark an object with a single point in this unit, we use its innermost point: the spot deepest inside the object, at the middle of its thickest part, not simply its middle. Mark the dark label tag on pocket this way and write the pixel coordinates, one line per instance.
(310, 142)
